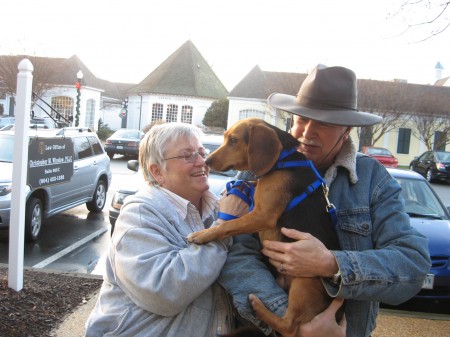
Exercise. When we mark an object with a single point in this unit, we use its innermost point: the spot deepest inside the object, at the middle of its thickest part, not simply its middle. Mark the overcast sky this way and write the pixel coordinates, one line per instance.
(124, 41)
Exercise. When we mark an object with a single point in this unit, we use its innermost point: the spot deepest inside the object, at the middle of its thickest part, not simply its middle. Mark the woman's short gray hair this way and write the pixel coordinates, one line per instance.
(154, 144)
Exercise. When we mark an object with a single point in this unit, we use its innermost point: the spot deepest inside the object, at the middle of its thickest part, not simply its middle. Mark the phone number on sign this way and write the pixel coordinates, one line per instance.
(47, 180)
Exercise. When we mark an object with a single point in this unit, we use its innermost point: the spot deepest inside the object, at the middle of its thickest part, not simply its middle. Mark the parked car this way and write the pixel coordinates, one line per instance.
(384, 156)
(124, 141)
(88, 184)
(8, 123)
(43, 123)
(6, 120)
(433, 165)
(429, 216)
(217, 180)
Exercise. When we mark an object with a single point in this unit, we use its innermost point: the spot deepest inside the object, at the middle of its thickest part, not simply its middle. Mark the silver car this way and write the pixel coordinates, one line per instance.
(80, 175)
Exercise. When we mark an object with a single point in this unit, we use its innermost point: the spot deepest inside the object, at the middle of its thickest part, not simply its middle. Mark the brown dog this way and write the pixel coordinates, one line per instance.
(255, 145)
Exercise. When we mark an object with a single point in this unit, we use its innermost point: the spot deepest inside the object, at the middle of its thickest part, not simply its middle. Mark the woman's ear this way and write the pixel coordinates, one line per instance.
(155, 171)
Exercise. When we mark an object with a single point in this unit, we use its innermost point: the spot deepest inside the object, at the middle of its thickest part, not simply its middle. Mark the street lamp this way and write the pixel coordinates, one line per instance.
(124, 112)
(78, 86)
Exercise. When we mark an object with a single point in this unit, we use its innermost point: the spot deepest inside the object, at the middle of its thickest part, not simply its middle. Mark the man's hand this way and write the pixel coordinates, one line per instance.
(324, 324)
(306, 257)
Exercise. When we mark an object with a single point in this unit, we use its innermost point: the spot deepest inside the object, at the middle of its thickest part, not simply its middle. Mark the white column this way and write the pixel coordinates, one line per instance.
(19, 177)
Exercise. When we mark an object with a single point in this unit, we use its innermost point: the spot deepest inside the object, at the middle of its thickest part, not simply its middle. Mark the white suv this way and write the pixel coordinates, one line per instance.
(50, 194)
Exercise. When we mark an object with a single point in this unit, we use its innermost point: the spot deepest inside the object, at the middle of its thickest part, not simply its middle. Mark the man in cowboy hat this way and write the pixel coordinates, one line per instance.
(382, 258)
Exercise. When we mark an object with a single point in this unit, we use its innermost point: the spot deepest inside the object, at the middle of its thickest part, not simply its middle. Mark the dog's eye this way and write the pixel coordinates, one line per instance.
(232, 141)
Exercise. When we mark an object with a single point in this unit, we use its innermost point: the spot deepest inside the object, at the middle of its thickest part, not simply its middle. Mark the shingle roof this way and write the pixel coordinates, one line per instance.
(186, 73)
(373, 95)
(442, 81)
(260, 84)
(64, 72)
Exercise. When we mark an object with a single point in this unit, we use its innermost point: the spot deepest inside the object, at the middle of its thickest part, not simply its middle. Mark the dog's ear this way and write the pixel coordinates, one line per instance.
(264, 148)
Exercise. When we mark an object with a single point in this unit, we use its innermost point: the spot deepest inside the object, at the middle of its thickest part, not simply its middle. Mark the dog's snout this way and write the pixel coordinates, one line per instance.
(208, 161)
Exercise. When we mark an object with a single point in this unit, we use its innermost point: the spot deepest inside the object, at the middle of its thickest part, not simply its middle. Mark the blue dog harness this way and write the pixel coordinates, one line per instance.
(248, 190)
(246, 194)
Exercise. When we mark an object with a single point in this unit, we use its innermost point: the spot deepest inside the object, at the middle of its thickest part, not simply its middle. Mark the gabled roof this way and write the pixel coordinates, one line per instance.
(373, 95)
(186, 73)
(64, 72)
(260, 84)
(443, 81)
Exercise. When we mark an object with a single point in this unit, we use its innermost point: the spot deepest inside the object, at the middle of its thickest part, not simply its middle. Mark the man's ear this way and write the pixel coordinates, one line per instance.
(347, 132)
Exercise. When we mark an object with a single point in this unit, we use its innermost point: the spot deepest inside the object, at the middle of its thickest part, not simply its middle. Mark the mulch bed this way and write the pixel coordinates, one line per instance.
(45, 300)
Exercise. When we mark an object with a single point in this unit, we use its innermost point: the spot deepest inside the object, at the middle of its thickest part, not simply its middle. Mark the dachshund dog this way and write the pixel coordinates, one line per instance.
(254, 145)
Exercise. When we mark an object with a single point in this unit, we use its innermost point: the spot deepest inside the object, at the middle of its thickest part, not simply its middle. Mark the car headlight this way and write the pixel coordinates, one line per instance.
(118, 199)
(5, 189)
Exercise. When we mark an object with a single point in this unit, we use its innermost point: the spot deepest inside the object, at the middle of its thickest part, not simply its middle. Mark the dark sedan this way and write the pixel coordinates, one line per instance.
(124, 141)
(429, 216)
(433, 165)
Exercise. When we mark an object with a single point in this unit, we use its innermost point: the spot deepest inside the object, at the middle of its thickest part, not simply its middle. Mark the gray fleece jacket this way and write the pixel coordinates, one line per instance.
(155, 283)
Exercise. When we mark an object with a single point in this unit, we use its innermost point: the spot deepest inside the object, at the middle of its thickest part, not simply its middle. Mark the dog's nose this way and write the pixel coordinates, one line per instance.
(208, 161)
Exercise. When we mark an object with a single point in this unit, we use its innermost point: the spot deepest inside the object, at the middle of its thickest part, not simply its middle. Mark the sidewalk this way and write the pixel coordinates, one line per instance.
(390, 323)
(74, 324)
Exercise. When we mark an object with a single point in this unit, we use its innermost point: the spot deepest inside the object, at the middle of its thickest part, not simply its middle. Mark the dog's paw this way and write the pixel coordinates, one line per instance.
(256, 304)
(201, 237)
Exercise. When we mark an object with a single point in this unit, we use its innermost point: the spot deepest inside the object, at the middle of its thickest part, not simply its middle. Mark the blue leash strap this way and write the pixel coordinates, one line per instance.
(247, 193)
(298, 199)
(331, 209)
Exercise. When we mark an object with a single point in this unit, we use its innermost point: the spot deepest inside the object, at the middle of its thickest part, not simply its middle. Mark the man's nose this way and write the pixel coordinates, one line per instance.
(309, 129)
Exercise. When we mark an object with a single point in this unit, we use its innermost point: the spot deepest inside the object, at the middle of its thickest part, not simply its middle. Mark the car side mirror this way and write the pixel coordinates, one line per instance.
(133, 165)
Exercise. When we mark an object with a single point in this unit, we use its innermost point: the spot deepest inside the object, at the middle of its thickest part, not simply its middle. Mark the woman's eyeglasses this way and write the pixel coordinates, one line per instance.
(190, 157)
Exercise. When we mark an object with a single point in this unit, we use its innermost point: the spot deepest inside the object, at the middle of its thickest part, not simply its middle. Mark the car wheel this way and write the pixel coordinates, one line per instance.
(429, 176)
(98, 201)
(33, 219)
(110, 155)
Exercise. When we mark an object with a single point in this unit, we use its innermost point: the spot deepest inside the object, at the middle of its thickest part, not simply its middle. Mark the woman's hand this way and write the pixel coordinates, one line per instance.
(324, 324)
(306, 257)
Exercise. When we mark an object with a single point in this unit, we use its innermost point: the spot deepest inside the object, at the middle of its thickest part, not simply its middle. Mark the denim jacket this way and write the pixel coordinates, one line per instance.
(382, 258)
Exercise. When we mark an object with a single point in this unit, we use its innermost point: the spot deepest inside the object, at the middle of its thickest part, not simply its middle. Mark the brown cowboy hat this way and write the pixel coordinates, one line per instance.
(329, 95)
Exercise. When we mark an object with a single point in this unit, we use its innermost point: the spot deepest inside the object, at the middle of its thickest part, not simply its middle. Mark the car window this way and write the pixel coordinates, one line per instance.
(420, 199)
(82, 147)
(6, 121)
(443, 156)
(376, 151)
(126, 134)
(6, 149)
(427, 156)
(96, 146)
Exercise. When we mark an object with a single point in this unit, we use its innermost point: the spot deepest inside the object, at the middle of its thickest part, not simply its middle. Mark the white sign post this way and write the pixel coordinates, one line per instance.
(19, 177)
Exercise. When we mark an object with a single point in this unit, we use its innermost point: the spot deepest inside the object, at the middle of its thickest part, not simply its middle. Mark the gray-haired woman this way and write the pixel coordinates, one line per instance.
(155, 282)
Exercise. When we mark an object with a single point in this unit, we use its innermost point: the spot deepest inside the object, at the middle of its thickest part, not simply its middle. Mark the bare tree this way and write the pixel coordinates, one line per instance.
(433, 15)
(431, 117)
(386, 99)
(43, 72)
